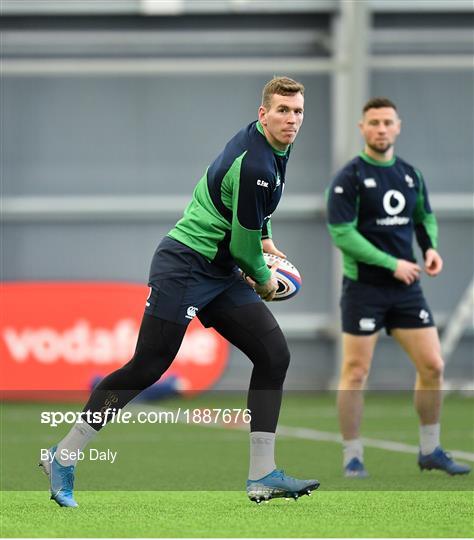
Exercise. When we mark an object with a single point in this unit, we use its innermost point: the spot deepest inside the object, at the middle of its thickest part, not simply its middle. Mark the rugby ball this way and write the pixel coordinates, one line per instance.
(287, 276)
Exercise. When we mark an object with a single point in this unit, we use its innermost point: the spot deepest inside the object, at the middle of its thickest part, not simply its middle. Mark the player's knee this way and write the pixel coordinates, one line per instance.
(275, 369)
(280, 363)
(157, 345)
(277, 356)
(149, 363)
(280, 354)
(432, 368)
(143, 370)
(354, 373)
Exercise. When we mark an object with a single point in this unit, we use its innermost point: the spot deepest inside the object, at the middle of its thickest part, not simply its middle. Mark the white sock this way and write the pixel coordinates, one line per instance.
(79, 436)
(429, 438)
(262, 454)
(352, 448)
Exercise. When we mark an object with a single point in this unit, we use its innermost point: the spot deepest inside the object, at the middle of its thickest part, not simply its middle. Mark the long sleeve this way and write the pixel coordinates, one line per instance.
(342, 206)
(248, 215)
(426, 226)
(267, 229)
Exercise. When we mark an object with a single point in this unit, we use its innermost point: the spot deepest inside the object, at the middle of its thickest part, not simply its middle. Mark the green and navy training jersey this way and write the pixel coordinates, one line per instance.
(373, 209)
(232, 203)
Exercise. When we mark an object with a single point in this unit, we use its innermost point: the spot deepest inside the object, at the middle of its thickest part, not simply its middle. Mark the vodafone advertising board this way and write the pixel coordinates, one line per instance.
(60, 336)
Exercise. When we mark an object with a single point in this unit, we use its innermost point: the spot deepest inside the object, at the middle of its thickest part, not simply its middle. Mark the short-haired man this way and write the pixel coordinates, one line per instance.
(195, 271)
(375, 204)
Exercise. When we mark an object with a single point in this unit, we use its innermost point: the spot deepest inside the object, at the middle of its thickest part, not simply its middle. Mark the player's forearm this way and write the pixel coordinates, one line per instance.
(346, 237)
(426, 226)
(427, 233)
(246, 249)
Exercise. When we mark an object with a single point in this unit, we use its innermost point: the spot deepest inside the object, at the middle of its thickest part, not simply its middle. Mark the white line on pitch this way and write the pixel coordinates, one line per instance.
(326, 436)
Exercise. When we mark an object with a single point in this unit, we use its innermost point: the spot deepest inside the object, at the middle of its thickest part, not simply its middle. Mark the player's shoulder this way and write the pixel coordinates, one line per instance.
(412, 172)
(242, 140)
(405, 164)
(259, 159)
(258, 147)
(348, 172)
(254, 173)
(244, 146)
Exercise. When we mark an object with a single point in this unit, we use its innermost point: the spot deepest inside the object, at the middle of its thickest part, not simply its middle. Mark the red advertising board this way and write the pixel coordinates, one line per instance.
(60, 336)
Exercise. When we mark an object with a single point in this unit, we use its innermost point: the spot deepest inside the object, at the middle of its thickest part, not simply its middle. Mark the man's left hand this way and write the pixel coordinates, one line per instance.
(269, 247)
(433, 262)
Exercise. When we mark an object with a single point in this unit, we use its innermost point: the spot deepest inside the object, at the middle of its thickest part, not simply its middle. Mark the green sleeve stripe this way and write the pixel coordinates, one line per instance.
(245, 244)
(348, 239)
(424, 218)
(246, 248)
(267, 230)
(431, 227)
(350, 268)
(229, 181)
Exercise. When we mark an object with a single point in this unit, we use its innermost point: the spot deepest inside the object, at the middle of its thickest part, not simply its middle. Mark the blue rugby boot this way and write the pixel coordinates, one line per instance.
(439, 459)
(278, 484)
(61, 480)
(355, 469)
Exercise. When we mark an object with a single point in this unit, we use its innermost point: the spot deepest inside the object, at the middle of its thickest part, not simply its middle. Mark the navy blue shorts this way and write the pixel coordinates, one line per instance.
(184, 284)
(365, 308)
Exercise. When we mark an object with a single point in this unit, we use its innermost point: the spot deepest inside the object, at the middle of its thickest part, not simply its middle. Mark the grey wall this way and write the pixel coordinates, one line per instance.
(155, 135)
(141, 135)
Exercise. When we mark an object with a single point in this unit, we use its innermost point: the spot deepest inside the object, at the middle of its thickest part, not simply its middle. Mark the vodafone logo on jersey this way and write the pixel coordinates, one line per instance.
(60, 336)
(393, 202)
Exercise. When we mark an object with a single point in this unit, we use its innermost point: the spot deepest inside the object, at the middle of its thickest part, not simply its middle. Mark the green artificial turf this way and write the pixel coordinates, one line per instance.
(188, 480)
(229, 514)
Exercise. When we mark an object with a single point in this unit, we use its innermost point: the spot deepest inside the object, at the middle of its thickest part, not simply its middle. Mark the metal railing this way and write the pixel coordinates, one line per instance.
(161, 208)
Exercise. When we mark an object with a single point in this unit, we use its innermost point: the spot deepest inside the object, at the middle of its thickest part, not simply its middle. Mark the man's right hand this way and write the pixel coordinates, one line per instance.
(407, 271)
(267, 290)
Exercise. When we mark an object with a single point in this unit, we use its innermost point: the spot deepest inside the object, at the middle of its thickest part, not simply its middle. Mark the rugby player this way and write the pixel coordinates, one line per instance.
(375, 204)
(195, 272)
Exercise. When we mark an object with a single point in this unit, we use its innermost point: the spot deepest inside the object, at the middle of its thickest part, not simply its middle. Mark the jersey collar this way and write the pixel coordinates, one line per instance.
(277, 152)
(376, 162)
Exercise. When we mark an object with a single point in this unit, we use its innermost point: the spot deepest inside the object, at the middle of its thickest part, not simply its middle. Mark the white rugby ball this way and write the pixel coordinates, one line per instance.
(287, 276)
